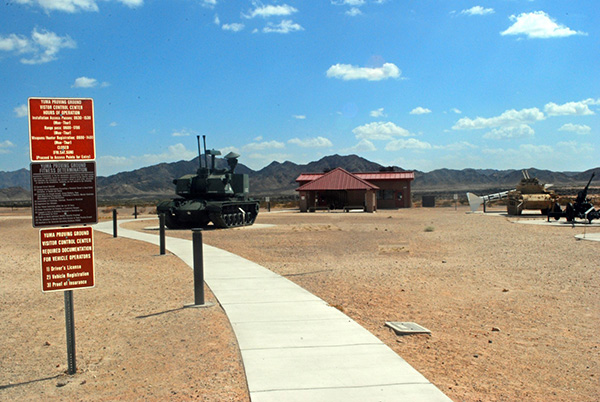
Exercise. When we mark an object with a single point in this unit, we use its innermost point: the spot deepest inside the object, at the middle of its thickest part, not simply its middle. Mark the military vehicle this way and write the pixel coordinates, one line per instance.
(582, 208)
(530, 194)
(212, 195)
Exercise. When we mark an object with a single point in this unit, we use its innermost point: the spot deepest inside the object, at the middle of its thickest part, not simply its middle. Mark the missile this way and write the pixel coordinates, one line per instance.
(475, 200)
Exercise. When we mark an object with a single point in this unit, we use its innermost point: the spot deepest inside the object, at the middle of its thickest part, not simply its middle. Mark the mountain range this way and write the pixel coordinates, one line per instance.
(278, 179)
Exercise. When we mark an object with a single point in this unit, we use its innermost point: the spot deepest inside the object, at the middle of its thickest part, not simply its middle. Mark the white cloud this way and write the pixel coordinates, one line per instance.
(234, 27)
(113, 164)
(209, 3)
(508, 118)
(318, 142)
(43, 46)
(576, 128)
(84, 82)
(410, 143)
(575, 147)
(259, 146)
(354, 3)
(113, 124)
(571, 108)
(455, 110)
(420, 110)
(217, 20)
(74, 6)
(458, 146)
(348, 72)
(299, 116)
(271, 11)
(353, 12)
(183, 133)
(510, 132)
(284, 27)
(21, 111)
(377, 113)
(478, 10)
(363, 145)
(380, 131)
(538, 24)
(69, 6)
(4, 146)
(132, 3)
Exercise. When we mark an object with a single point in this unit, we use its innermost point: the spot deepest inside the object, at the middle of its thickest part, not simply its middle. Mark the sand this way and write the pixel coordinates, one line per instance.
(514, 310)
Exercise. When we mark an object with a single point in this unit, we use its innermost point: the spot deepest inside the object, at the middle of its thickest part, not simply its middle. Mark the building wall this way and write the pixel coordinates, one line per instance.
(393, 193)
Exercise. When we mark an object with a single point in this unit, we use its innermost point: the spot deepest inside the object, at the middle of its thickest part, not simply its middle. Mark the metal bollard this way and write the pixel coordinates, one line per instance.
(161, 220)
(198, 267)
(114, 222)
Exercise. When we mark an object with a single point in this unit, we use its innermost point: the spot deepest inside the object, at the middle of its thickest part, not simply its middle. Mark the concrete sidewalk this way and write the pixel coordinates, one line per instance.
(294, 346)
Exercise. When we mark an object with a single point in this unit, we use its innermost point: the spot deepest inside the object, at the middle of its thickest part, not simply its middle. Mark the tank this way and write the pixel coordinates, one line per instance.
(530, 194)
(212, 195)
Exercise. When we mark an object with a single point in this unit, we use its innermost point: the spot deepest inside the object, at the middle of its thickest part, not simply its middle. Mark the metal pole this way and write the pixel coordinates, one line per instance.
(161, 220)
(70, 324)
(198, 267)
(135, 211)
(114, 222)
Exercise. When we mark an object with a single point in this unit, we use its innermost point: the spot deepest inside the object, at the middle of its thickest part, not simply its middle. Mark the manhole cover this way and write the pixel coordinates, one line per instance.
(407, 328)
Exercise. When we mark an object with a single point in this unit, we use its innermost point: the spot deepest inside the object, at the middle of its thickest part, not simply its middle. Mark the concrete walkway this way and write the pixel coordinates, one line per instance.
(294, 346)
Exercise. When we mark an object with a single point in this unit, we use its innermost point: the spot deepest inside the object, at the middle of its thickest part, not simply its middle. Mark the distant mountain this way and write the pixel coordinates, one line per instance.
(282, 176)
(279, 179)
(18, 178)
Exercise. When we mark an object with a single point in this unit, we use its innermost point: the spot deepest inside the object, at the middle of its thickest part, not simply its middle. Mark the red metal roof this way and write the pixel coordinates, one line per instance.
(337, 179)
(307, 177)
(387, 176)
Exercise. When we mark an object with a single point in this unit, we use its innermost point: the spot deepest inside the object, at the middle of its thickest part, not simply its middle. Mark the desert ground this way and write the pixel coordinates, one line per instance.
(513, 309)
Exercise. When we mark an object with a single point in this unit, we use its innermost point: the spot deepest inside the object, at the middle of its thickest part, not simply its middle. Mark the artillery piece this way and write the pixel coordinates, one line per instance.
(212, 195)
(582, 208)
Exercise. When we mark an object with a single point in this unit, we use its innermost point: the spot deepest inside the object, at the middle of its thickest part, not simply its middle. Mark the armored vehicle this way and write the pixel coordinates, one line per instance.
(212, 195)
(530, 194)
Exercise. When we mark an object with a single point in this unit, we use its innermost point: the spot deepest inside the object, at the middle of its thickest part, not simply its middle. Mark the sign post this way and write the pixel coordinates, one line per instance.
(63, 192)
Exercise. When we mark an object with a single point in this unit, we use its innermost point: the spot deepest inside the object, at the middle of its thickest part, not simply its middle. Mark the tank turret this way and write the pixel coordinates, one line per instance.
(212, 195)
(530, 194)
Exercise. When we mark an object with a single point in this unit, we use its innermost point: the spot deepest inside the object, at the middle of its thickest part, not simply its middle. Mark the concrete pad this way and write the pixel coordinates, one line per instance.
(588, 236)
(298, 334)
(379, 393)
(282, 311)
(327, 367)
(280, 294)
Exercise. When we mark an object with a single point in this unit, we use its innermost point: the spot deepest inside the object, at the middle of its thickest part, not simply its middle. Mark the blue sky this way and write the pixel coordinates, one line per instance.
(427, 84)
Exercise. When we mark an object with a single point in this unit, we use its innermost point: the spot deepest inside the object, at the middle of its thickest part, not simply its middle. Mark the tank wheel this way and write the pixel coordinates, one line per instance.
(171, 222)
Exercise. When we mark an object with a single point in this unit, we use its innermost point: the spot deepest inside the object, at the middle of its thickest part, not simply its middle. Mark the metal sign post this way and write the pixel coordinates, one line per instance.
(70, 324)
(62, 149)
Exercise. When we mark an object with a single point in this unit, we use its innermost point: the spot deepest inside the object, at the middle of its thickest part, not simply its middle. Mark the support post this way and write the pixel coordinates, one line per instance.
(161, 220)
(198, 267)
(70, 325)
(135, 214)
(114, 222)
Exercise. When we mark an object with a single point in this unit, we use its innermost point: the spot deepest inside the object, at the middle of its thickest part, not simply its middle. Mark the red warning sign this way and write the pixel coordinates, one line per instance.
(61, 129)
(67, 256)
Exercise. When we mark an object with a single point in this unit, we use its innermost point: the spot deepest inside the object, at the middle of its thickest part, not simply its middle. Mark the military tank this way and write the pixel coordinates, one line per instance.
(212, 195)
(530, 194)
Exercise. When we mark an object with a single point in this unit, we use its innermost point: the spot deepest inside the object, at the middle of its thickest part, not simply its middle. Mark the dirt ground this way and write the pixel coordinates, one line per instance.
(514, 309)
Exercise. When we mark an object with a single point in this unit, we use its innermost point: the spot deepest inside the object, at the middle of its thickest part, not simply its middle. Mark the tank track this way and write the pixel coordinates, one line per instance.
(236, 214)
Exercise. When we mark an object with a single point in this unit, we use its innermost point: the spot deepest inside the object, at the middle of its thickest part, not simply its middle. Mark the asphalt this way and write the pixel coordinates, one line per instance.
(294, 346)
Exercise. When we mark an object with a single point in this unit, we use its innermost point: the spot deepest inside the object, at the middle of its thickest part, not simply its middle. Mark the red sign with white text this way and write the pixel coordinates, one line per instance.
(61, 129)
(67, 256)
